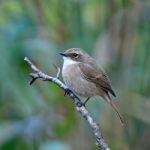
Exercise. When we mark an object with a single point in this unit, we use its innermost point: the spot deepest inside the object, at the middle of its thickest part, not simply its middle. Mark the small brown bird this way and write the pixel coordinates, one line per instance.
(84, 77)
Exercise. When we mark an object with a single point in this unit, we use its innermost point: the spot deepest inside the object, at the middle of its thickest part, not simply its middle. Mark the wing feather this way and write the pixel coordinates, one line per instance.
(92, 72)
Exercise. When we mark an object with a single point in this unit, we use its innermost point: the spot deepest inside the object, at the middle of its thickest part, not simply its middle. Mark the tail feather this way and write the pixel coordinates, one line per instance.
(117, 112)
(109, 100)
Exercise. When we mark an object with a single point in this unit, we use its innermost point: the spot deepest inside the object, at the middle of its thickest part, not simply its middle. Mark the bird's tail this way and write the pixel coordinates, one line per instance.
(109, 101)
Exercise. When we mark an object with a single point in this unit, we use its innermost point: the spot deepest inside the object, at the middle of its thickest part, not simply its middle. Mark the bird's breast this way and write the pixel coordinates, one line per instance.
(74, 79)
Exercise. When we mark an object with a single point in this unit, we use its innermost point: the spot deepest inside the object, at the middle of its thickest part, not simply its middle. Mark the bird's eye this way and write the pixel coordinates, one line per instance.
(75, 55)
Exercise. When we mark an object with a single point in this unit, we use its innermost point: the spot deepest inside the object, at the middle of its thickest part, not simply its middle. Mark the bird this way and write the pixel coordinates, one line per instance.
(82, 75)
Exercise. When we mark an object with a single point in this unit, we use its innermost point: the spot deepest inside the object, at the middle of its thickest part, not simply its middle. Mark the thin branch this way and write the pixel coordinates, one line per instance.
(79, 106)
(58, 71)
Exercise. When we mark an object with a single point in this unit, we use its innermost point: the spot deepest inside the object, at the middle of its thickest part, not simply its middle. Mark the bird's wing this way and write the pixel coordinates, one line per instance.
(93, 73)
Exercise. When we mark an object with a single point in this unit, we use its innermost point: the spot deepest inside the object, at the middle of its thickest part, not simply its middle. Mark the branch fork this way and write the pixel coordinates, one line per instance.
(100, 142)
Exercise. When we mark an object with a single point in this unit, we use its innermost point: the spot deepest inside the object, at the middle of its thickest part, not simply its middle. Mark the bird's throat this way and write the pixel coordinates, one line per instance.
(68, 62)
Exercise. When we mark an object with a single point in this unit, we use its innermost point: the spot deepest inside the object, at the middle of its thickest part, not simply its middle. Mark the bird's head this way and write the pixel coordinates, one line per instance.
(74, 55)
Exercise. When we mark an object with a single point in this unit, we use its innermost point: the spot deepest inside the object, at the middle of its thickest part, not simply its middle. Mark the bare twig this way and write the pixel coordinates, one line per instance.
(58, 71)
(79, 106)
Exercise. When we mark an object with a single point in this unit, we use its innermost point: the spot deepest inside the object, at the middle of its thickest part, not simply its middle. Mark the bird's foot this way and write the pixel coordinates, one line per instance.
(83, 104)
(85, 101)
(80, 104)
(67, 91)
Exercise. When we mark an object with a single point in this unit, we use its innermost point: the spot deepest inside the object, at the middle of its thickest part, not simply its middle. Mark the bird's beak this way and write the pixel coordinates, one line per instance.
(64, 54)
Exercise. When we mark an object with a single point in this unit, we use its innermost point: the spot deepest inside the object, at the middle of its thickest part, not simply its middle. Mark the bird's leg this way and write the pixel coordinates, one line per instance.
(86, 101)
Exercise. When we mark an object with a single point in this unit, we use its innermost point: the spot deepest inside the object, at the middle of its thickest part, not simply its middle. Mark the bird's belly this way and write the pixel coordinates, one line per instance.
(77, 83)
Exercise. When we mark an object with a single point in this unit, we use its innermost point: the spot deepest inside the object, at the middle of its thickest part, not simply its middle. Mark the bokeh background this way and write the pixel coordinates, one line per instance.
(38, 117)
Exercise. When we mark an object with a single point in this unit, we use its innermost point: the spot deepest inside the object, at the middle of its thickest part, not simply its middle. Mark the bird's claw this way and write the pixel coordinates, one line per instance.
(67, 91)
(85, 101)
(83, 104)
(80, 104)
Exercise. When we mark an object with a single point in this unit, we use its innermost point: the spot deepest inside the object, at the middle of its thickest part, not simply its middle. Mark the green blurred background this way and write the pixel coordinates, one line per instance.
(38, 117)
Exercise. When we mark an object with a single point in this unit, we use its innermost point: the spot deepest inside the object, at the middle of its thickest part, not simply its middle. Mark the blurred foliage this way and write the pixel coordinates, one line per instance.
(115, 32)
